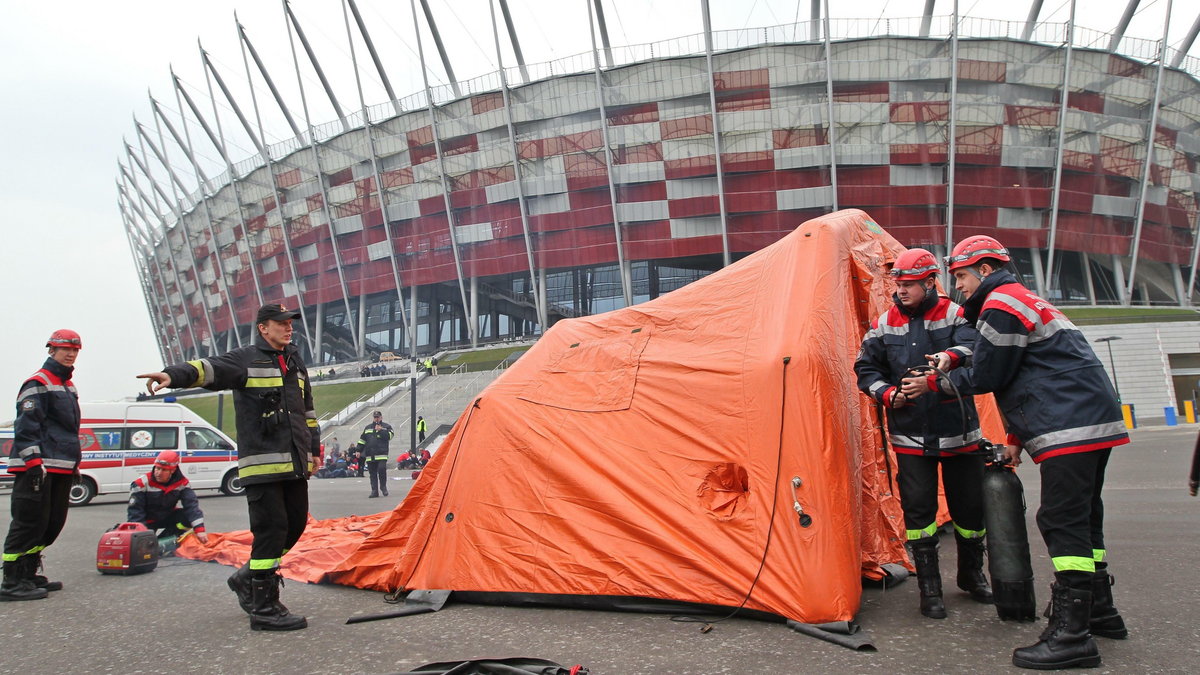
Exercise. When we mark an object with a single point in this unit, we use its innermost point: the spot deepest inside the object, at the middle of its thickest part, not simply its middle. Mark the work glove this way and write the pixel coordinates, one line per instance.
(76, 478)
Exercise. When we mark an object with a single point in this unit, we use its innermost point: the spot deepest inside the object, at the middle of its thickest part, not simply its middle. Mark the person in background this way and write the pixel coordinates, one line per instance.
(44, 459)
(163, 501)
(1060, 407)
(279, 446)
(421, 427)
(374, 446)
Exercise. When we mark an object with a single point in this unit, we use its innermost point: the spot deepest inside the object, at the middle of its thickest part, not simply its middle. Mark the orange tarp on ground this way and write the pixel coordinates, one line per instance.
(653, 451)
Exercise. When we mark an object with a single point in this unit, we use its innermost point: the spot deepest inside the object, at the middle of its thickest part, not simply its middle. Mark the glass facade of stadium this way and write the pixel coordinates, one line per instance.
(493, 213)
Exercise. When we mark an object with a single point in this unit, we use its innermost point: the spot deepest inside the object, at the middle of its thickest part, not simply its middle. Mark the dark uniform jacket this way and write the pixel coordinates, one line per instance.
(1051, 388)
(46, 432)
(898, 341)
(278, 436)
(153, 503)
(374, 444)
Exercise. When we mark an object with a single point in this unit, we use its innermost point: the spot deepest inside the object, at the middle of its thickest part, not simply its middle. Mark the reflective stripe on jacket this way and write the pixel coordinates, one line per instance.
(277, 429)
(374, 444)
(46, 431)
(1051, 388)
(898, 340)
(152, 503)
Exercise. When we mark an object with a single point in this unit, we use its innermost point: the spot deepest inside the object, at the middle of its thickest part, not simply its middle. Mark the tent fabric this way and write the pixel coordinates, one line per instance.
(709, 446)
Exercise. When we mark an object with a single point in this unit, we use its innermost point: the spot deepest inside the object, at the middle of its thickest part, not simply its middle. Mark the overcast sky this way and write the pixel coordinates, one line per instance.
(74, 74)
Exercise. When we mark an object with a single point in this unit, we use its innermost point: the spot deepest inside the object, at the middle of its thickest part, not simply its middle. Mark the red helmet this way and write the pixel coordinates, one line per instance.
(64, 338)
(914, 264)
(168, 459)
(973, 249)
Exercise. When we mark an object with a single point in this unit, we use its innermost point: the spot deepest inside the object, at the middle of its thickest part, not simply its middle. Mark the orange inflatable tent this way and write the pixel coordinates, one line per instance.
(709, 446)
(702, 447)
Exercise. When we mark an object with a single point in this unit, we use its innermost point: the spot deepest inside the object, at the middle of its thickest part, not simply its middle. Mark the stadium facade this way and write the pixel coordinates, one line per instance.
(488, 209)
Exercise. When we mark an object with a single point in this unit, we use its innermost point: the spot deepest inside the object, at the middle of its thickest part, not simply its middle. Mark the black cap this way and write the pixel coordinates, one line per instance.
(377, 414)
(275, 312)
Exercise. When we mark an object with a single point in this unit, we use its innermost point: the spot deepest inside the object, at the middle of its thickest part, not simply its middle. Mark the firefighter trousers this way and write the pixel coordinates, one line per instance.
(278, 514)
(1071, 517)
(962, 476)
(38, 516)
(378, 470)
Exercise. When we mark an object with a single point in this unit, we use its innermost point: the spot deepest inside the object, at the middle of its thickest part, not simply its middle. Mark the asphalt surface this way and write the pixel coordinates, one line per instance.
(182, 618)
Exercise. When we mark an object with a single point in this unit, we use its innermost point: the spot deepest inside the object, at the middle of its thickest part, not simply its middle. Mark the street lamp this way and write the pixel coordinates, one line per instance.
(1112, 364)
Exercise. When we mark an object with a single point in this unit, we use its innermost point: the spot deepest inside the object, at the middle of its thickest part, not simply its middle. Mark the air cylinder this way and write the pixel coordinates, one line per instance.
(1008, 542)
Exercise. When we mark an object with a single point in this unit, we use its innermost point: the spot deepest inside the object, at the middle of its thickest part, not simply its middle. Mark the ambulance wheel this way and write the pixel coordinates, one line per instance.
(231, 484)
(82, 494)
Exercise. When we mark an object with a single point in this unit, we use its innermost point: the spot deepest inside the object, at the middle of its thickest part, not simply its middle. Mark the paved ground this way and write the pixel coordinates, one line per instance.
(182, 618)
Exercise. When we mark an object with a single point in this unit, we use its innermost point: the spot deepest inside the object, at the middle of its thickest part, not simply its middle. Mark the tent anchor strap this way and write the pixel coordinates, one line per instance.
(844, 633)
(417, 602)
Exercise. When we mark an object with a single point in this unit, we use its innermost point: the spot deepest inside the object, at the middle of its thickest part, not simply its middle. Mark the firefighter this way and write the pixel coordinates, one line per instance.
(44, 459)
(374, 446)
(163, 501)
(278, 450)
(928, 432)
(1062, 410)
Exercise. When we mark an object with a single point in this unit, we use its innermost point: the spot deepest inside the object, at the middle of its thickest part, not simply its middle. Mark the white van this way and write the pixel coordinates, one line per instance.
(121, 440)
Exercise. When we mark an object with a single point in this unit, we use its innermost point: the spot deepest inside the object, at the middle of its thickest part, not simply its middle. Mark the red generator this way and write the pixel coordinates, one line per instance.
(128, 548)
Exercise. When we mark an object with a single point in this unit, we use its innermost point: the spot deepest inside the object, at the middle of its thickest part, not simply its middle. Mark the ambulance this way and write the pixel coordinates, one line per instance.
(120, 441)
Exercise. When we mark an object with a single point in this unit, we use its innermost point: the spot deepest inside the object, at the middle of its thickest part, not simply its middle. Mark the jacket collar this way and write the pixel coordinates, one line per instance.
(927, 303)
(262, 344)
(974, 304)
(58, 370)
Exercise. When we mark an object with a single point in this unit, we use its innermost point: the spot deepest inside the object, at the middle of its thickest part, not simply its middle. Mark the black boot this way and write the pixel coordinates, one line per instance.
(1106, 622)
(267, 613)
(16, 585)
(929, 576)
(239, 583)
(1066, 642)
(970, 569)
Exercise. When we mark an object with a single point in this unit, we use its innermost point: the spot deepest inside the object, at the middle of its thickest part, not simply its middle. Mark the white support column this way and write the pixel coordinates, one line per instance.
(522, 205)
(1151, 133)
(1039, 275)
(1195, 258)
(149, 294)
(716, 131)
(159, 120)
(437, 147)
(831, 124)
(219, 144)
(1119, 278)
(626, 287)
(319, 335)
(260, 144)
(952, 141)
(1177, 277)
(319, 171)
(1035, 8)
(360, 340)
(1087, 276)
(376, 175)
(167, 327)
(1059, 150)
(166, 243)
(473, 314)
(542, 292)
(176, 206)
